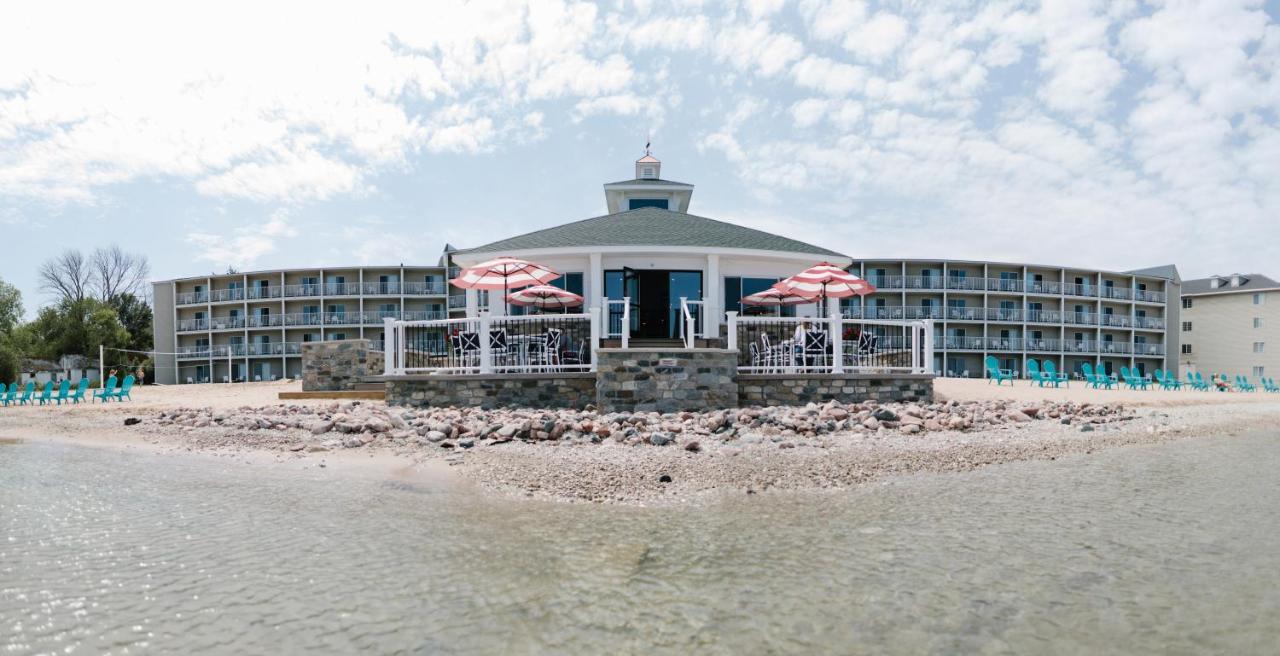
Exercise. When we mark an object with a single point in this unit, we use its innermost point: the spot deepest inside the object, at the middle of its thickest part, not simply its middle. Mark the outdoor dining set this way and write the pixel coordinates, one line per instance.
(808, 349)
(546, 350)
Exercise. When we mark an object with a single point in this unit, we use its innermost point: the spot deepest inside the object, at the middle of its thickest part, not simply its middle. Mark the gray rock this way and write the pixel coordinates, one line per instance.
(659, 439)
(435, 436)
(885, 414)
(322, 427)
(466, 443)
(1087, 428)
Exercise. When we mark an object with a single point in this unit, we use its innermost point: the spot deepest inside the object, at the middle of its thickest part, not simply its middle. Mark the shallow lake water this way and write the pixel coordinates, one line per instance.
(1171, 548)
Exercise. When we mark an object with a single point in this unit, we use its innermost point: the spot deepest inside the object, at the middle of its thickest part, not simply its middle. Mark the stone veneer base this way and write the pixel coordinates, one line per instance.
(338, 365)
(790, 389)
(647, 380)
(544, 390)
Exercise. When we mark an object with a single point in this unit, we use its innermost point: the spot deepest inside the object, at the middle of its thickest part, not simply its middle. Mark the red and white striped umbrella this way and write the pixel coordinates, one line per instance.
(825, 280)
(544, 296)
(503, 273)
(774, 296)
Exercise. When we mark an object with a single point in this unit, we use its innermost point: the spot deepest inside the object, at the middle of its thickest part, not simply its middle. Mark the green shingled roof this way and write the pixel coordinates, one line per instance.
(650, 226)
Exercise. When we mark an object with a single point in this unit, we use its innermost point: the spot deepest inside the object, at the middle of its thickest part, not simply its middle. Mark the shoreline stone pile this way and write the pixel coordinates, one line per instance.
(354, 424)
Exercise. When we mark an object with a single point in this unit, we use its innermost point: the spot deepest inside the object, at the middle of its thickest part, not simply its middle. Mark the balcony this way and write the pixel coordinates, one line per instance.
(1115, 320)
(225, 295)
(1149, 350)
(425, 315)
(295, 291)
(1088, 291)
(436, 288)
(886, 282)
(275, 348)
(189, 298)
(1044, 345)
(187, 325)
(1148, 323)
(454, 272)
(1012, 285)
(342, 289)
(1044, 287)
(1082, 346)
(1114, 348)
(457, 301)
(1044, 316)
(381, 288)
(1120, 293)
(922, 282)
(226, 323)
(1004, 343)
(1004, 314)
(963, 343)
(262, 293)
(1081, 318)
(957, 283)
(965, 313)
(1149, 297)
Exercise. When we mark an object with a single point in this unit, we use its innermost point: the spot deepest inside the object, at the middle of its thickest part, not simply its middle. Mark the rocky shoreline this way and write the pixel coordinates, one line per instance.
(676, 457)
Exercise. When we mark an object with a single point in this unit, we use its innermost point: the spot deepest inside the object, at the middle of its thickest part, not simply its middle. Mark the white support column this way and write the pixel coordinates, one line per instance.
(473, 303)
(836, 331)
(928, 346)
(712, 299)
(731, 334)
(595, 284)
(595, 334)
(486, 354)
(390, 347)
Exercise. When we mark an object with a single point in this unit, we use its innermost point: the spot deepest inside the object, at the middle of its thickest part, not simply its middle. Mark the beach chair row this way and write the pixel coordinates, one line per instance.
(64, 394)
(1129, 378)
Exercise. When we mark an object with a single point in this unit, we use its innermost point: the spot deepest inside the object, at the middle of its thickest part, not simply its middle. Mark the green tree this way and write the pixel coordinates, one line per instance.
(77, 327)
(10, 307)
(135, 316)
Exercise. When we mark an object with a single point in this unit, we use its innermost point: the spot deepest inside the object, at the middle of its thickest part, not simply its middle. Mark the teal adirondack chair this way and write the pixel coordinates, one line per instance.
(1096, 380)
(12, 395)
(1133, 380)
(1033, 372)
(63, 389)
(78, 396)
(121, 393)
(1245, 386)
(107, 390)
(46, 395)
(1051, 374)
(994, 372)
(1112, 379)
(27, 391)
(1271, 385)
(1205, 385)
(1167, 380)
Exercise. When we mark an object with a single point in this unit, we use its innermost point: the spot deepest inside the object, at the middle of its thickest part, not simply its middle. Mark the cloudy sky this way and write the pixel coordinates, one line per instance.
(259, 135)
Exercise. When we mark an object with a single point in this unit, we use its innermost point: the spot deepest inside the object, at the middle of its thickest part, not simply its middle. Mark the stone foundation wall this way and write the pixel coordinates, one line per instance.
(783, 389)
(665, 380)
(564, 390)
(338, 365)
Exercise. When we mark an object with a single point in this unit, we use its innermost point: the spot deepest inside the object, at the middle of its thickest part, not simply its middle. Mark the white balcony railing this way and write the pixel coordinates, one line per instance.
(436, 288)
(189, 298)
(228, 294)
(457, 301)
(256, 293)
(186, 325)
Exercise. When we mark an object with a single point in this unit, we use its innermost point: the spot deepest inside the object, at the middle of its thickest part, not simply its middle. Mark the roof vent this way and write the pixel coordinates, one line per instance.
(1237, 280)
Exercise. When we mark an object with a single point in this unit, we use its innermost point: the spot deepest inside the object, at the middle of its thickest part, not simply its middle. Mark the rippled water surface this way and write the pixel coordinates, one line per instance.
(1172, 548)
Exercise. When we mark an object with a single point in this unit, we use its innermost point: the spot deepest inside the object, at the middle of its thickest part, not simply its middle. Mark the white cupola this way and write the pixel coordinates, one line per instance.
(648, 167)
(648, 189)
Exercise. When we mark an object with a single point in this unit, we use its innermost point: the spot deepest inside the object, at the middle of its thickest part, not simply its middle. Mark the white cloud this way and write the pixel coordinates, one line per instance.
(878, 37)
(244, 245)
(828, 76)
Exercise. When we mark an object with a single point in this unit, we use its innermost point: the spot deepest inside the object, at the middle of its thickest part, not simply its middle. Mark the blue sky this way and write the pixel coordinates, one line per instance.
(1108, 134)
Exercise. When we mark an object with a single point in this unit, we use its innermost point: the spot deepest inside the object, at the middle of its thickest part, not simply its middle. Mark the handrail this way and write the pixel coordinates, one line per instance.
(688, 330)
(624, 322)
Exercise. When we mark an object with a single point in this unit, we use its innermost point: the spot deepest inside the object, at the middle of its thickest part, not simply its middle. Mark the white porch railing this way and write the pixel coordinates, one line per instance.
(539, 343)
(617, 315)
(691, 323)
(831, 345)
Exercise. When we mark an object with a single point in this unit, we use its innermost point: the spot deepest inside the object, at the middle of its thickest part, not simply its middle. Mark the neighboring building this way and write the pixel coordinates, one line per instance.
(1020, 311)
(1231, 325)
(650, 249)
(251, 326)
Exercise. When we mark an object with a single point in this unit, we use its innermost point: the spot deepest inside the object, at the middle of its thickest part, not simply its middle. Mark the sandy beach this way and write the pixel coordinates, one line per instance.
(644, 459)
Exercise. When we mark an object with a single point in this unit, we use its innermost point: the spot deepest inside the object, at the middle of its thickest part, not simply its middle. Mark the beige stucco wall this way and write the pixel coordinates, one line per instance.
(1222, 334)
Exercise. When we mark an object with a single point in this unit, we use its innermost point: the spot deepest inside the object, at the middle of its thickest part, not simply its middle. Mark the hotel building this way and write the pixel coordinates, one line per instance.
(1230, 325)
(650, 249)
